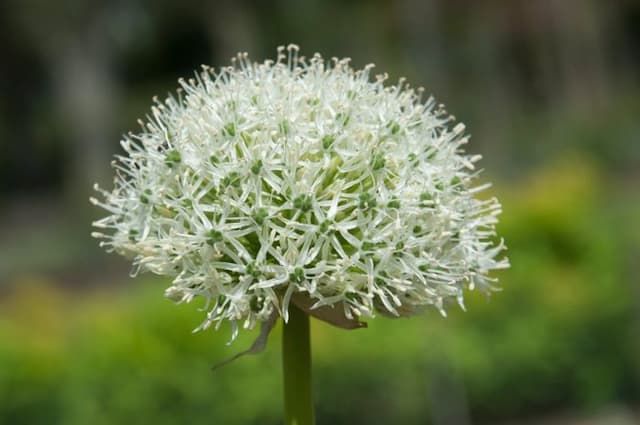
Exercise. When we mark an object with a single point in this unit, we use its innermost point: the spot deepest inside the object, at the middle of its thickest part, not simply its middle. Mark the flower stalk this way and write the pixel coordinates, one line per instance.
(300, 187)
(296, 368)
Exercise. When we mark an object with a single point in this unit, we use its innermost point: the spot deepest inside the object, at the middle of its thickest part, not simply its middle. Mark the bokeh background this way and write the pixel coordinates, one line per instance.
(550, 91)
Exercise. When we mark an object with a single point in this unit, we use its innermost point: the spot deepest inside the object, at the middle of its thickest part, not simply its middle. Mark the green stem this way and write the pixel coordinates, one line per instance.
(296, 367)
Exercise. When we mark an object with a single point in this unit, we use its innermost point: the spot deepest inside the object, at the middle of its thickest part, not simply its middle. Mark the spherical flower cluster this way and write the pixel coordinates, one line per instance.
(301, 179)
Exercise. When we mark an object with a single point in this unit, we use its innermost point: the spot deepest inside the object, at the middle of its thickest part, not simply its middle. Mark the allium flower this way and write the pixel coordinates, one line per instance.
(302, 181)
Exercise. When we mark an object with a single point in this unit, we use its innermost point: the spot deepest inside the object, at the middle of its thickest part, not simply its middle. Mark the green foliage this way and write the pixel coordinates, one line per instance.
(559, 335)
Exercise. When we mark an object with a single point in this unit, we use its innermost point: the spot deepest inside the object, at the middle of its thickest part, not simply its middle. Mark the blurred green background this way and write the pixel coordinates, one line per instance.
(550, 91)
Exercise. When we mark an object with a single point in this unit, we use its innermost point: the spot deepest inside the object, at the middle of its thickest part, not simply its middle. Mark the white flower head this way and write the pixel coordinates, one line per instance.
(306, 181)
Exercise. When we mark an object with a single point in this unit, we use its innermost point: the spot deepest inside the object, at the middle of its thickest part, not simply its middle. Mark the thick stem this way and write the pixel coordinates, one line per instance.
(296, 367)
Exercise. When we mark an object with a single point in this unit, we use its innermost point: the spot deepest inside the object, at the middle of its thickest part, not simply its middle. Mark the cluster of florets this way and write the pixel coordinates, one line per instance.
(301, 177)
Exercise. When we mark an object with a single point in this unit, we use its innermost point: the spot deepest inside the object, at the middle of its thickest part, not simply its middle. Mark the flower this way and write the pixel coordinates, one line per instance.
(306, 180)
